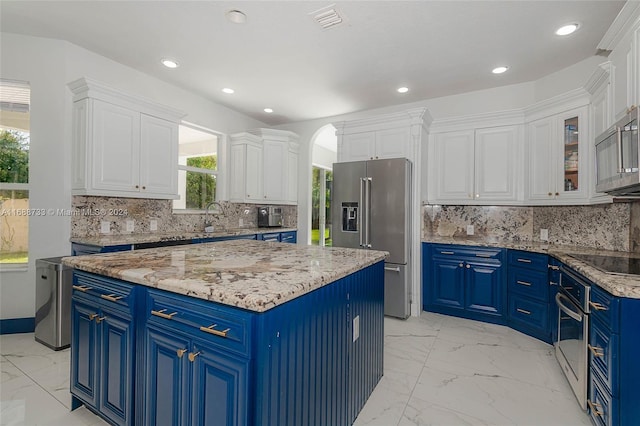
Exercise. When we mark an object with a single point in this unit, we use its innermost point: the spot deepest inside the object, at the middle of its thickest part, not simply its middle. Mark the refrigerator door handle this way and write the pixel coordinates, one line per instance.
(361, 220)
(368, 225)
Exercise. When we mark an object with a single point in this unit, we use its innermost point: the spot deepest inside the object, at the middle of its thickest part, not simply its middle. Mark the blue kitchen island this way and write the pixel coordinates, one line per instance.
(227, 333)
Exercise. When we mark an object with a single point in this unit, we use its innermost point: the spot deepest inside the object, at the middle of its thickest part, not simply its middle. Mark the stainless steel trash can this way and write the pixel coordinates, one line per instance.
(53, 303)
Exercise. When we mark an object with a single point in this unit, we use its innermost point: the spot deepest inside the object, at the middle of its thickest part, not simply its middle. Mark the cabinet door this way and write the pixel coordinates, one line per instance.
(484, 292)
(292, 178)
(219, 389)
(275, 156)
(237, 172)
(116, 366)
(447, 284)
(572, 171)
(254, 174)
(158, 156)
(116, 147)
(541, 163)
(357, 147)
(84, 352)
(495, 163)
(166, 378)
(393, 143)
(454, 163)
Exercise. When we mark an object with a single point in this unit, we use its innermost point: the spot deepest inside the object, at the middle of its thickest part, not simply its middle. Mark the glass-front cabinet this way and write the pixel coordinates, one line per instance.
(557, 167)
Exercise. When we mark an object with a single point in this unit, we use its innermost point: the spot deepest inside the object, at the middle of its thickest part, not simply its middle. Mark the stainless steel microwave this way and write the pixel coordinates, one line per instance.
(617, 161)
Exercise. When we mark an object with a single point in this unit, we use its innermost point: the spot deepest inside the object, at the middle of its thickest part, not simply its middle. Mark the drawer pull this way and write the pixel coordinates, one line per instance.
(524, 260)
(99, 320)
(594, 409)
(447, 252)
(524, 283)
(82, 288)
(598, 306)
(212, 330)
(193, 355)
(523, 311)
(483, 255)
(92, 317)
(181, 352)
(553, 283)
(111, 297)
(161, 314)
(596, 351)
(554, 267)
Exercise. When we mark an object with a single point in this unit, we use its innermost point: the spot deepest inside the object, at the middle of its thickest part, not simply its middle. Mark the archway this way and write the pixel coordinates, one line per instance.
(324, 154)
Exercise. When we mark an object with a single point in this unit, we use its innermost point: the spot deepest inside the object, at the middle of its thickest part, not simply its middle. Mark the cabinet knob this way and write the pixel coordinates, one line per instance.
(265, 196)
(248, 195)
(468, 266)
(144, 187)
(376, 157)
(477, 195)
(192, 356)
(461, 264)
(549, 194)
(137, 186)
(557, 194)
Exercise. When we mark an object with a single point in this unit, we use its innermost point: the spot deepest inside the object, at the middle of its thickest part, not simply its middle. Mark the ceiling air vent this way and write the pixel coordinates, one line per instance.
(327, 17)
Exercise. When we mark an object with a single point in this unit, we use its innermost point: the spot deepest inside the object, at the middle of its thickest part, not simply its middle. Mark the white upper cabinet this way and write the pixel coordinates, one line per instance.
(264, 167)
(557, 160)
(476, 166)
(388, 136)
(123, 146)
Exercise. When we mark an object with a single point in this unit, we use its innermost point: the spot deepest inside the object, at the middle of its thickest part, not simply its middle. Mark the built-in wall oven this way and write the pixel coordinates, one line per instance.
(571, 342)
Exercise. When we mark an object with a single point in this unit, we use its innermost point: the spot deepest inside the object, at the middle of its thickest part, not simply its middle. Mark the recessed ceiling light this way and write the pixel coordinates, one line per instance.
(228, 90)
(403, 89)
(567, 29)
(499, 70)
(236, 16)
(268, 110)
(169, 63)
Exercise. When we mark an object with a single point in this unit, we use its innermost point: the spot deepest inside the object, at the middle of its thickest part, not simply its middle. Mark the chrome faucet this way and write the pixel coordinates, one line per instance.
(208, 226)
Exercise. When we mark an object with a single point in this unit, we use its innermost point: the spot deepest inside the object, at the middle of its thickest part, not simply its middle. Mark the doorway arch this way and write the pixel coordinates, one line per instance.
(324, 151)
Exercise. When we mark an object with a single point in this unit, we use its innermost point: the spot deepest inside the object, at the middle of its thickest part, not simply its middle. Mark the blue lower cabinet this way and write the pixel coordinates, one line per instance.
(289, 237)
(271, 236)
(188, 381)
(468, 282)
(102, 360)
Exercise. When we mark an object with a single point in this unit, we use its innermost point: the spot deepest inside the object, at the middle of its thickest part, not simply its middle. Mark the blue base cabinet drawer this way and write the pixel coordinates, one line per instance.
(529, 316)
(601, 407)
(527, 259)
(603, 346)
(533, 284)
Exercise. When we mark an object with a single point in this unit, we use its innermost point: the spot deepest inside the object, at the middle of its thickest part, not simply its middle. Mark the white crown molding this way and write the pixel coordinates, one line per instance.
(410, 117)
(627, 20)
(275, 134)
(89, 88)
(601, 75)
(573, 99)
(477, 121)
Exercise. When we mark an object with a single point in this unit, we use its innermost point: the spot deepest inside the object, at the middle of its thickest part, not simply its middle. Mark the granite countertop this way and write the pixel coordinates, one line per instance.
(253, 275)
(116, 240)
(617, 284)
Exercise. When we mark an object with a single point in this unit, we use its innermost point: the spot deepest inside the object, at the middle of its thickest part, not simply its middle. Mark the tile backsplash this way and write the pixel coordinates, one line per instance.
(607, 226)
(89, 212)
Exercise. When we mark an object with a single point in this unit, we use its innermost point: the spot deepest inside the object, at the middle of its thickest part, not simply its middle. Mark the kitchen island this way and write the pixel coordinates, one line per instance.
(234, 332)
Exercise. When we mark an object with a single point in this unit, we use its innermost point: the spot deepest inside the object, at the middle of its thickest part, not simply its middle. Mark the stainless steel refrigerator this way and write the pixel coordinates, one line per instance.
(371, 209)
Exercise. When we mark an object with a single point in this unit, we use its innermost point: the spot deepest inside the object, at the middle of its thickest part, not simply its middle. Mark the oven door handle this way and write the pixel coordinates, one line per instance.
(576, 316)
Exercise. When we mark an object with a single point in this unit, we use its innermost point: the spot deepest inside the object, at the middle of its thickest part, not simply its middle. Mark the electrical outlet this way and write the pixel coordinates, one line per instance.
(105, 227)
(356, 328)
(544, 234)
(131, 225)
(240, 222)
(153, 225)
(470, 230)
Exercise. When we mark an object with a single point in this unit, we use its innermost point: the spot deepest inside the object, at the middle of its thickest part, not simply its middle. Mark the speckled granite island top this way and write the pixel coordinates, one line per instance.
(254, 275)
(617, 284)
(154, 237)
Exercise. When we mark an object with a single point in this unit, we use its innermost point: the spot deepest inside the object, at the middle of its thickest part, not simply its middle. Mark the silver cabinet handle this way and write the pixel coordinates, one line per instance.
(524, 260)
(396, 269)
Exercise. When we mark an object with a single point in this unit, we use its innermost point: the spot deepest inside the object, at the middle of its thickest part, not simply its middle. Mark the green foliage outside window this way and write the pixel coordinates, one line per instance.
(201, 187)
(14, 156)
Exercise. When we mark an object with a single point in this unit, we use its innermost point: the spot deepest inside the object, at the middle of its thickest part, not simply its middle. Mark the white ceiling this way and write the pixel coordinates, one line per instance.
(282, 59)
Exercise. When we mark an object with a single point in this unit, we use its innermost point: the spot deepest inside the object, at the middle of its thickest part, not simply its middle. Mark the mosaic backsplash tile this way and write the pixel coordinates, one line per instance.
(605, 226)
(89, 212)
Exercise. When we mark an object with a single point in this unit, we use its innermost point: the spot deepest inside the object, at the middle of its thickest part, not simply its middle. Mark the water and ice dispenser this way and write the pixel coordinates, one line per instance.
(350, 217)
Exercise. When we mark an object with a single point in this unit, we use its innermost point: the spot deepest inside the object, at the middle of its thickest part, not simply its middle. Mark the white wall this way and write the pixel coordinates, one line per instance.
(48, 65)
(323, 157)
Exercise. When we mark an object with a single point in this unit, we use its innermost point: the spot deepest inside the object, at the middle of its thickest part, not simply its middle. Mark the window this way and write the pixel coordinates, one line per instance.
(197, 168)
(14, 172)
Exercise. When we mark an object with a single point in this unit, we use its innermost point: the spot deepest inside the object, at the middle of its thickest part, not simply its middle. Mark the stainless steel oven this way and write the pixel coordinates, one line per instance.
(572, 307)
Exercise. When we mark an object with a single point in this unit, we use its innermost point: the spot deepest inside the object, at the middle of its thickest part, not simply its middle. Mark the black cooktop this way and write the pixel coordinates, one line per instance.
(611, 264)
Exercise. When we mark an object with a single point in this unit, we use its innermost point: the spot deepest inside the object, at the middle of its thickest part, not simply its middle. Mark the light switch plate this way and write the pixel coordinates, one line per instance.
(470, 230)
(153, 225)
(105, 227)
(544, 234)
(130, 225)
